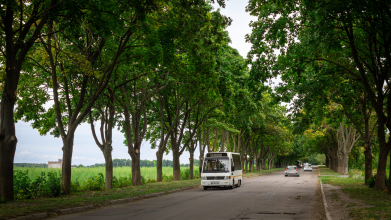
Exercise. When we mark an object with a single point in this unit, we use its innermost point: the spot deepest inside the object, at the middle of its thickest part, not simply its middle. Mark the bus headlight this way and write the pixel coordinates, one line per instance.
(204, 177)
(226, 177)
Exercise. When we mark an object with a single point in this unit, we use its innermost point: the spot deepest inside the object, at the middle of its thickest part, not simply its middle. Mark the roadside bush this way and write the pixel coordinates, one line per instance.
(356, 174)
(53, 185)
(151, 181)
(143, 180)
(95, 183)
(372, 181)
(166, 178)
(185, 173)
(43, 186)
(75, 186)
(122, 181)
(39, 186)
(196, 173)
(22, 185)
(46, 186)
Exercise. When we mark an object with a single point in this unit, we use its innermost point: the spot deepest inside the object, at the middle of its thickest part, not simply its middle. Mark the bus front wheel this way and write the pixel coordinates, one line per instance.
(233, 184)
(205, 187)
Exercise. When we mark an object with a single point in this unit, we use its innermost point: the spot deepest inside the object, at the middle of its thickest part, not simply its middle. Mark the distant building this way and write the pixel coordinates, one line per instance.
(55, 164)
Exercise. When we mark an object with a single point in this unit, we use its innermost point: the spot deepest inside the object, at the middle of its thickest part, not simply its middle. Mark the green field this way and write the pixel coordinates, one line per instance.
(82, 174)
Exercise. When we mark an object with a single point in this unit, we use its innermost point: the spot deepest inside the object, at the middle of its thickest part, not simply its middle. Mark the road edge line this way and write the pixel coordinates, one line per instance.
(328, 217)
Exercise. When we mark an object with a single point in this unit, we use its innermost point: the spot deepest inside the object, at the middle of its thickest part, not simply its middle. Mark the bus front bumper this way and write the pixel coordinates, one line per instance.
(216, 182)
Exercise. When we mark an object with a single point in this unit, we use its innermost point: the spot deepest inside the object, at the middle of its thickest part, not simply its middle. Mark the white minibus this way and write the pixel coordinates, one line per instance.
(222, 169)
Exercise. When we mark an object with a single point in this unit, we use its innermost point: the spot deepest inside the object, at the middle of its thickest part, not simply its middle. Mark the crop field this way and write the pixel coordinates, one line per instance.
(82, 174)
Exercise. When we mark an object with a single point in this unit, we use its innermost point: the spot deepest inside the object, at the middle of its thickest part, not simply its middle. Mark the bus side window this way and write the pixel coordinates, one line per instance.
(238, 165)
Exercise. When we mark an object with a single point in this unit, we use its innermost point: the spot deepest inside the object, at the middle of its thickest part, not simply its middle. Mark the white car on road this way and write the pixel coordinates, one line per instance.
(292, 170)
(308, 167)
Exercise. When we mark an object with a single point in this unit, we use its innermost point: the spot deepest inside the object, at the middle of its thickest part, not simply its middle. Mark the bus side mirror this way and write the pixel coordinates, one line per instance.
(233, 168)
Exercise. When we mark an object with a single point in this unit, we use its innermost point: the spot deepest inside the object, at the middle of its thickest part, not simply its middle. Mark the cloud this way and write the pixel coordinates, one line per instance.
(29, 155)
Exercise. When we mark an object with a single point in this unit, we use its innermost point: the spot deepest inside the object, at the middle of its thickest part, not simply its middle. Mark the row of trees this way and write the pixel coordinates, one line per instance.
(334, 60)
(157, 70)
(143, 163)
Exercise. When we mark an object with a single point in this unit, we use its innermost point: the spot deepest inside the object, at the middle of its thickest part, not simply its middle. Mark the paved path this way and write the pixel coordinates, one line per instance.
(271, 196)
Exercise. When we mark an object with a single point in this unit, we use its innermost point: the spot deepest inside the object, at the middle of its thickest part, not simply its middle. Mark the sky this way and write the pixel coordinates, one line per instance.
(34, 148)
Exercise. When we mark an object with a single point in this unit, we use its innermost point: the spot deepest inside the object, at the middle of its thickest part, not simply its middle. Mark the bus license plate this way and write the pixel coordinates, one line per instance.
(214, 182)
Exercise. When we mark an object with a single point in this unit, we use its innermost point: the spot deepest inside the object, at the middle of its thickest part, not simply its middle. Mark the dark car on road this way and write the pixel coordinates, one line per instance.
(299, 164)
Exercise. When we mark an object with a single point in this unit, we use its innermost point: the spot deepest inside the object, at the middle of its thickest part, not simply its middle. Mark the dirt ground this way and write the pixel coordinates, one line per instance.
(339, 203)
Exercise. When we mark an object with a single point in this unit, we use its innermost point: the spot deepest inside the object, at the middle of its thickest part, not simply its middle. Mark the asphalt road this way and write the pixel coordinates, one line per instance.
(271, 196)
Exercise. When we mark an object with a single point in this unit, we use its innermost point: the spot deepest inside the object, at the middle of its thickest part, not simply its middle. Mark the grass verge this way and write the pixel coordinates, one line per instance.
(96, 198)
(323, 170)
(379, 201)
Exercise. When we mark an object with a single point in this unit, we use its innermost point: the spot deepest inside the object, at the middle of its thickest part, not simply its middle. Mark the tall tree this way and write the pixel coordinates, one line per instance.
(21, 25)
(351, 36)
(80, 61)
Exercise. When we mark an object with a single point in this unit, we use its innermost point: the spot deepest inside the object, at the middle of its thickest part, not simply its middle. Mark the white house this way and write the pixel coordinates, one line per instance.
(55, 164)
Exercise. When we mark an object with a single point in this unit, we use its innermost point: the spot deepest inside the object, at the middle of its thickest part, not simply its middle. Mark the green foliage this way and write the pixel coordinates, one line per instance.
(22, 185)
(95, 183)
(185, 174)
(143, 180)
(196, 172)
(44, 186)
(76, 186)
(122, 181)
(166, 178)
(53, 184)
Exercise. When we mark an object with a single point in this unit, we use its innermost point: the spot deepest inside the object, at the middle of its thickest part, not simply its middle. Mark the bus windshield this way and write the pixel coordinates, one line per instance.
(215, 165)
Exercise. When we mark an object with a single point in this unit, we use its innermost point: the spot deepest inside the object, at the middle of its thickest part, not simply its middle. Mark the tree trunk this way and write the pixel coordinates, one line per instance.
(389, 175)
(202, 149)
(7, 154)
(336, 163)
(381, 167)
(228, 144)
(223, 134)
(327, 161)
(159, 166)
(8, 138)
(214, 142)
(263, 164)
(200, 165)
(109, 167)
(233, 141)
(258, 164)
(176, 165)
(368, 161)
(67, 151)
(136, 173)
(191, 174)
(242, 153)
(340, 164)
(344, 164)
(243, 163)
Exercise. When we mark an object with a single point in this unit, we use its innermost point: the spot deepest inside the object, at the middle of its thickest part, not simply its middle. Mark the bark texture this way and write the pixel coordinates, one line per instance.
(346, 139)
